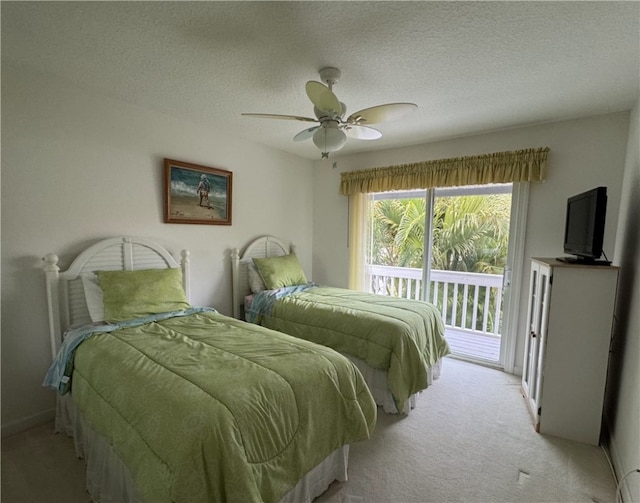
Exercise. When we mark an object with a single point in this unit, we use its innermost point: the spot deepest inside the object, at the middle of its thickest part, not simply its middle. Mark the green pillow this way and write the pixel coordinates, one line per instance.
(278, 272)
(134, 294)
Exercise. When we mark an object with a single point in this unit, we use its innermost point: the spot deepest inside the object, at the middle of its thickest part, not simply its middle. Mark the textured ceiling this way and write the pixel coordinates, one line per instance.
(470, 66)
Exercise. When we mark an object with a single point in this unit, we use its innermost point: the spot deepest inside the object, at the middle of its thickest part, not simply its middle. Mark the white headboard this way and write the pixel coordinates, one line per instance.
(265, 246)
(65, 293)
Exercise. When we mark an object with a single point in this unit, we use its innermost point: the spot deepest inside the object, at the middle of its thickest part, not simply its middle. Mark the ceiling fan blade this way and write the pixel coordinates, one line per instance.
(381, 113)
(362, 132)
(322, 97)
(306, 134)
(286, 117)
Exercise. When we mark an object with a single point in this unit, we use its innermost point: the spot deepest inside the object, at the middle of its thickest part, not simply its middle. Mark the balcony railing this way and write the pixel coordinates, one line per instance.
(469, 302)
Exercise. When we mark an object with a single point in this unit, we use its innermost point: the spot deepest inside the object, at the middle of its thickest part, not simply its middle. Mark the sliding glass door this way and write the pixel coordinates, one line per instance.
(448, 247)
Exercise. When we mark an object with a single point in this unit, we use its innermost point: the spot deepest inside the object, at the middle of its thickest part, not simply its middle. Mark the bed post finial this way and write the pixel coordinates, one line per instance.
(186, 272)
(235, 278)
(50, 262)
(51, 271)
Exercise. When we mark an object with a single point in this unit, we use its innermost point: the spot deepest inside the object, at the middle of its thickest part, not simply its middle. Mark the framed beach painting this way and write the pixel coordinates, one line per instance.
(196, 194)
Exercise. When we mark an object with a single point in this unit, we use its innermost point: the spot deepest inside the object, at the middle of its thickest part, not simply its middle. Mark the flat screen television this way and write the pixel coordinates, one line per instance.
(584, 227)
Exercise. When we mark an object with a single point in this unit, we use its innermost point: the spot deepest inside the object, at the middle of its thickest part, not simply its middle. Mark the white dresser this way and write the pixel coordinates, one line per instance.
(569, 323)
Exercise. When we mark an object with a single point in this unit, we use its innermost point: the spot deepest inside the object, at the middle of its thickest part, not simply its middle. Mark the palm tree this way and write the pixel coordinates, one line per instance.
(398, 230)
(470, 233)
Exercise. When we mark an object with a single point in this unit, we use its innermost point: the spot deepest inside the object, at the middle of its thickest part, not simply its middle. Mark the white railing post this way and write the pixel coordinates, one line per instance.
(454, 304)
(474, 312)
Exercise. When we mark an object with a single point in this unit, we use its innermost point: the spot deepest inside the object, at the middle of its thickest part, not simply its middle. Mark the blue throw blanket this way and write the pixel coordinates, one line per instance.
(263, 302)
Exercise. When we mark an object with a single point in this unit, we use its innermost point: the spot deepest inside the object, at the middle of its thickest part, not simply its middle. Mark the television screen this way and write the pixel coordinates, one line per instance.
(584, 225)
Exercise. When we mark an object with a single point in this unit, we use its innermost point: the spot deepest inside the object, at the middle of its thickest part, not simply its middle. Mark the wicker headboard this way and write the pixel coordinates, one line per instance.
(265, 246)
(65, 294)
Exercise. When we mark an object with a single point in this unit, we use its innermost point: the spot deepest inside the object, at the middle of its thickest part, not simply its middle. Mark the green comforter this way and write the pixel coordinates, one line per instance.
(206, 408)
(401, 336)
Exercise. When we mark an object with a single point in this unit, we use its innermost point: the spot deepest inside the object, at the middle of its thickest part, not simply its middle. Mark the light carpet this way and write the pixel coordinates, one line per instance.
(471, 438)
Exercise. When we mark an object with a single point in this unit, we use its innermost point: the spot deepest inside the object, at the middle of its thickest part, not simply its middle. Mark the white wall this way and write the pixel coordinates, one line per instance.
(585, 153)
(622, 410)
(78, 167)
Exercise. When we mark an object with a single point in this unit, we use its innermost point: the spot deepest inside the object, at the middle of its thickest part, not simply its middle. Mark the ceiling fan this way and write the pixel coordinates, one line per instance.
(332, 130)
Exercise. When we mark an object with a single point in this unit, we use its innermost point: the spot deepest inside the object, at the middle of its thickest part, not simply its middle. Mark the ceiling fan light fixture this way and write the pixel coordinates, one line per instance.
(330, 135)
(329, 138)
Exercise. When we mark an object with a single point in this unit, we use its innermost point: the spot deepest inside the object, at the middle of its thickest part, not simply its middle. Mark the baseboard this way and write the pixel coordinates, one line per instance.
(28, 422)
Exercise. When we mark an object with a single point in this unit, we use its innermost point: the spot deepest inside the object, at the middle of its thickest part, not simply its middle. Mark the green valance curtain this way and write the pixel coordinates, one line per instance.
(499, 167)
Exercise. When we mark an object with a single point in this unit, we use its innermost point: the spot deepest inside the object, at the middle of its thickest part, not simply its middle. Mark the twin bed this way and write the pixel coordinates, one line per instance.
(167, 402)
(397, 344)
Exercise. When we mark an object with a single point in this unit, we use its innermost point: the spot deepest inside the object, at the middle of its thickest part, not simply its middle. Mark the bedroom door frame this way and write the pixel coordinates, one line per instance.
(513, 277)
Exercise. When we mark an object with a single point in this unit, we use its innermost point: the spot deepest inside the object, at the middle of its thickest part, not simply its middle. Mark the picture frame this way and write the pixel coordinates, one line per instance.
(195, 194)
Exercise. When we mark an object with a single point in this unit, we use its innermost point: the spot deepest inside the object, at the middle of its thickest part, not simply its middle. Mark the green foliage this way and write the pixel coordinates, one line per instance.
(398, 232)
(470, 233)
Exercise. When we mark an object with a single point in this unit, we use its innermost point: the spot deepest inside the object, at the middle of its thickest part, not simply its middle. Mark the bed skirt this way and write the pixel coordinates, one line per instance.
(377, 382)
(109, 480)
